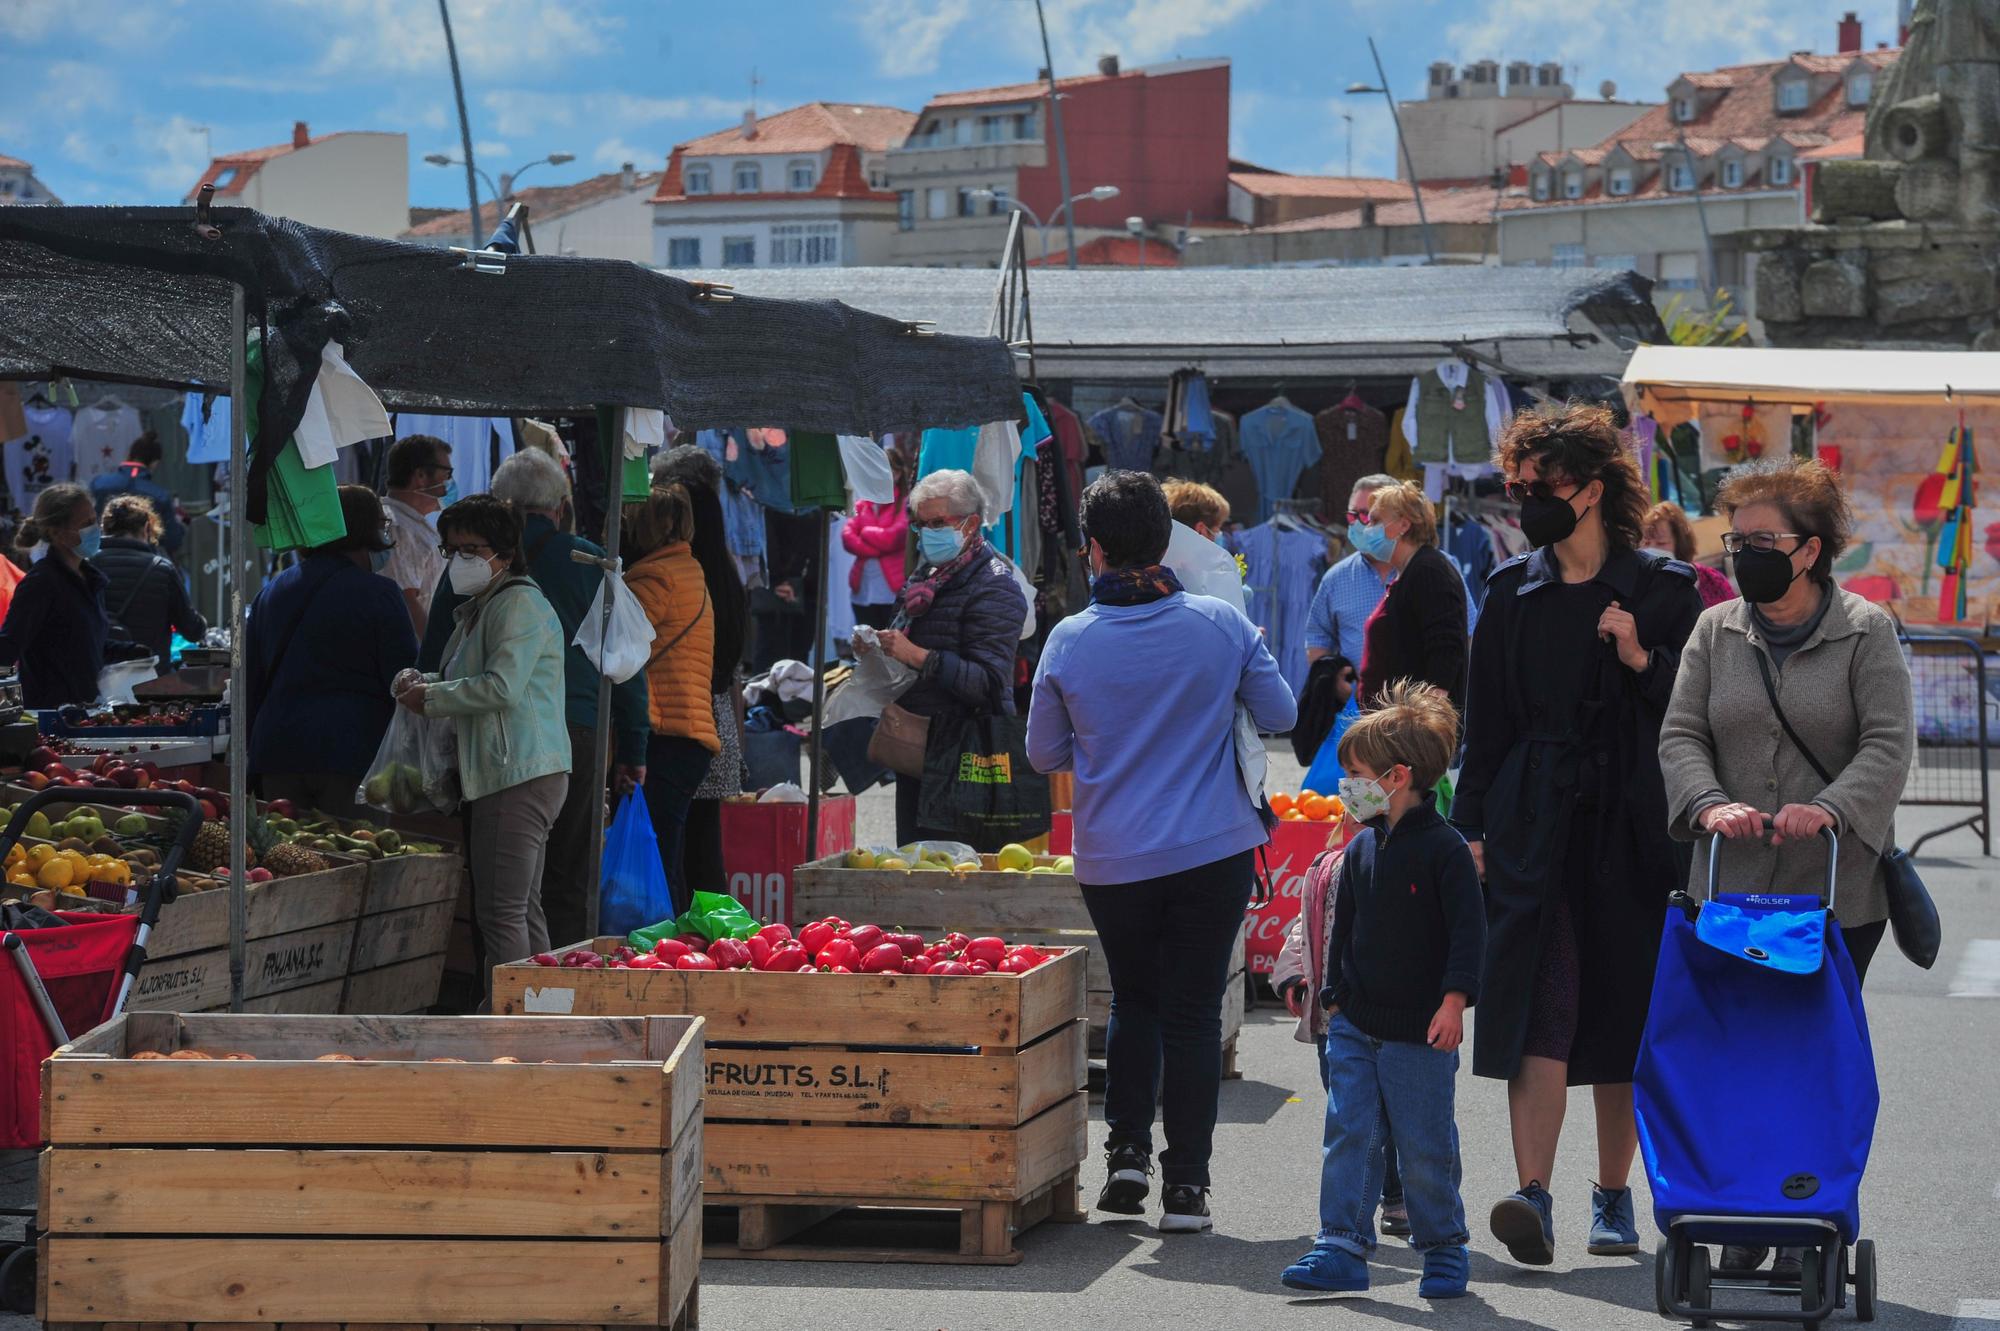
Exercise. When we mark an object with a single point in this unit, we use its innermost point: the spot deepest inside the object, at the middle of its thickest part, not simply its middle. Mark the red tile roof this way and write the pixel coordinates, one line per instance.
(1838, 150)
(843, 178)
(14, 163)
(544, 203)
(813, 127)
(246, 163)
(1114, 252)
(1275, 185)
(1441, 207)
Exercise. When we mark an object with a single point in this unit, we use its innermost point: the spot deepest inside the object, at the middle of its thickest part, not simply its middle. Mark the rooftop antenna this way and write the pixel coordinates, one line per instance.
(755, 83)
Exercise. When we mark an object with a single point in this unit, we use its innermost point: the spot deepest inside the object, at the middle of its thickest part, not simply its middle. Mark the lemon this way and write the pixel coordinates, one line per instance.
(40, 855)
(56, 873)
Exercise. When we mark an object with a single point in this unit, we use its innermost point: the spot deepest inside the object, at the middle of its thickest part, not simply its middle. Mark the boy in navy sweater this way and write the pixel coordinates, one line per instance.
(1402, 967)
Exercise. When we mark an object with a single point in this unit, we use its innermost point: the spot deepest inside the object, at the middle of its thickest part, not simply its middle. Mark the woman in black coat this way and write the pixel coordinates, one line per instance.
(958, 625)
(144, 592)
(56, 631)
(1562, 801)
(1418, 632)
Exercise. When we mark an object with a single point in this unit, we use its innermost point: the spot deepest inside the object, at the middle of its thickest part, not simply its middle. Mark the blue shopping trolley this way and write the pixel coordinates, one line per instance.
(1756, 1099)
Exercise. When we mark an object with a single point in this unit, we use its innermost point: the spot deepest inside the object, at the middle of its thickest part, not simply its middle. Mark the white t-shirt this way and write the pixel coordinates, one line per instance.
(41, 457)
(101, 437)
(415, 564)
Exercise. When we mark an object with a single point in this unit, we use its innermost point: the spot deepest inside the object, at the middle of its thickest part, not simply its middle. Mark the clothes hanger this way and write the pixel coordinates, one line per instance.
(1352, 402)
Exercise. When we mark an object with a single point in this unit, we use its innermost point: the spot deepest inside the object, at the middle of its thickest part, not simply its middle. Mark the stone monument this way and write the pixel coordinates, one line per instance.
(1904, 244)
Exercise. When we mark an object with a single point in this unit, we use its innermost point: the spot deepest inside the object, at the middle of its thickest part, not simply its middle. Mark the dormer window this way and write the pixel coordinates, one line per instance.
(1860, 86)
(1621, 181)
(697, 180)
(1794, 95)
(800, 176)
(1680, 176)
(1683, 110)
(1572, 184)
(1541, 185)
(1781, 171)
(749, 178)
(1732, 174)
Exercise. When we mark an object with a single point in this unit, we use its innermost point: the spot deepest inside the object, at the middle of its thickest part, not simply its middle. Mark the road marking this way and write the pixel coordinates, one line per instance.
(1978, 970)
(1976, 1315)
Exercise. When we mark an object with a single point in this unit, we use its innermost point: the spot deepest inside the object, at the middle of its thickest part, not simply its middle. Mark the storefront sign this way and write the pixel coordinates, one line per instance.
(763, 843)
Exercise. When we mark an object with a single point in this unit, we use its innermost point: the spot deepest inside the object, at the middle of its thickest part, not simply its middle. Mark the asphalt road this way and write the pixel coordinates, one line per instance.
(1932, 1200)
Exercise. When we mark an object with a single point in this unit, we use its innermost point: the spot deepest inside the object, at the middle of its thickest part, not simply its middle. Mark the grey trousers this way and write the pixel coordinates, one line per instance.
(509, 845)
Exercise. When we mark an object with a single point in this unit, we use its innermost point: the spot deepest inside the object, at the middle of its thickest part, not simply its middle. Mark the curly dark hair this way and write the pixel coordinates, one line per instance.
(1807, 492)
(494, 522)
(1574, 444)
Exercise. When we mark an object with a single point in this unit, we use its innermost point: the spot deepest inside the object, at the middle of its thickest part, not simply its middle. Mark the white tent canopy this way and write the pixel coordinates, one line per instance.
(1804, 376)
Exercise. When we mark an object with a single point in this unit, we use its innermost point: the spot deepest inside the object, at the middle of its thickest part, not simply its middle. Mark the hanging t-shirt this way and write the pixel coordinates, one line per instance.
(1280, 442)
(100, 437)
(41, 457)
(838, 621)
(1284, 566)
(206, 421)
(817, 480)
(1131, 436)
(762, 468)
(742, 520)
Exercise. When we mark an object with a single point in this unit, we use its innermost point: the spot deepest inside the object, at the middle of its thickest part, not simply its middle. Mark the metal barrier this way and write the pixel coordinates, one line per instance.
(1948, 687)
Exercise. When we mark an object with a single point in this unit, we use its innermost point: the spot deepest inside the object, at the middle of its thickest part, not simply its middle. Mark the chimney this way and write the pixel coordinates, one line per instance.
(1367, 214)
(1850, 33)
(628, 177)
(1042, 74)
(750, 123)
(301, 136)
(1107, 65)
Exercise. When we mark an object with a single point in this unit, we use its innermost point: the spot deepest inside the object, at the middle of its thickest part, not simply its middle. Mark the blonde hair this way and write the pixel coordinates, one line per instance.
(132, 515)
(1191, 502)
(55, 508)
(1679, 530)
(1405, 500)
(664, 517)
(1413, 724)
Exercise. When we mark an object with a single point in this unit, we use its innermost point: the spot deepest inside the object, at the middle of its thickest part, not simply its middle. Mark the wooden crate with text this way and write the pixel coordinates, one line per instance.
(416, 1180)
(833, 1098)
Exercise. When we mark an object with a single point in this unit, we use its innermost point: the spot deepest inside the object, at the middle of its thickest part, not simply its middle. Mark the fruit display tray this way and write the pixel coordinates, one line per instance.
(421, 1182)
(829, 1094)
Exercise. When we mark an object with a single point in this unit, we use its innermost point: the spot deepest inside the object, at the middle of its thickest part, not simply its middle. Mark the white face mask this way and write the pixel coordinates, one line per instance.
(470, 574)
(1364, 798)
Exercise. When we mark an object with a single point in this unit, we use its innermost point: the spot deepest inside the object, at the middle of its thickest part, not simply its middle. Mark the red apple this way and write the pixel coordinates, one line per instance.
(35, 781)
(42, 756)
(208, 811)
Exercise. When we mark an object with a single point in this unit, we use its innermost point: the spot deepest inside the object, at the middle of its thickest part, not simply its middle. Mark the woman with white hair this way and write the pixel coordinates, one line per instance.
(958, 623)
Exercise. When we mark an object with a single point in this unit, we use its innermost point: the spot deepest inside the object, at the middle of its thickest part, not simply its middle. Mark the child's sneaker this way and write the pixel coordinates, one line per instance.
(1329, 1269)
(1613, 1233)
(1445, 1272)
(1526, 1223)
(1184, 1209)
(1126, 1170)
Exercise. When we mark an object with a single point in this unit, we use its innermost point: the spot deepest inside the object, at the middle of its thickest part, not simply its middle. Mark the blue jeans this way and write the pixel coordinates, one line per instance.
(1392, 1178)
(1377, 1085)
(1168, 943)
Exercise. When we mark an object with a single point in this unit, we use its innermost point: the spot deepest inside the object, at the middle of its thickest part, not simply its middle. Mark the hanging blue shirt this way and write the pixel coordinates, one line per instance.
(1130, 437)
(766, 473)
(955, 450)
(742, 521)
(1197, 419)
(1278, 590)
(208, 435)
(1280, 442)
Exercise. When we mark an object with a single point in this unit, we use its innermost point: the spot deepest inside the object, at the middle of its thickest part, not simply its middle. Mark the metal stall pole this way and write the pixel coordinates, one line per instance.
(611, 435)
(825, 528)
(237, 552)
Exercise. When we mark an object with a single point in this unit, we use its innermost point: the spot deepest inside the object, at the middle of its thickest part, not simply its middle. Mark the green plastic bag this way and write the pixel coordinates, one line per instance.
(642, 940)
(716, 915)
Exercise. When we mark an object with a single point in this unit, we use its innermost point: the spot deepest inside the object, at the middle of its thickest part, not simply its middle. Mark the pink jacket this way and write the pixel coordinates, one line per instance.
(880, 532)
(1298, 961)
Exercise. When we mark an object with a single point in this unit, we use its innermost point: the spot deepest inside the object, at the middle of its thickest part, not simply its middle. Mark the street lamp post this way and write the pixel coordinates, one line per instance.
(1100, 193)
(505, 189)
(1700, 211)
(1056, 126)
(1416, 190)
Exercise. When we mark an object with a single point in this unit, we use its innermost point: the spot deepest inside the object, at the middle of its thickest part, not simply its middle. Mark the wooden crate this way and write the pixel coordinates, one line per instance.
(829, 1095)
(402, 933)
(300, 937)
(1044, 909)
(389, 1190)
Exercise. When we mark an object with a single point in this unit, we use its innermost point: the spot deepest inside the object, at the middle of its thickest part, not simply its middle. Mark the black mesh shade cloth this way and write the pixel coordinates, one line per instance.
(142, 295)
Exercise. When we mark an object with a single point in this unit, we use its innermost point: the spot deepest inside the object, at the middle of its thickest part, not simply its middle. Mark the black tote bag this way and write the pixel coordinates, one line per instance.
(978, 785)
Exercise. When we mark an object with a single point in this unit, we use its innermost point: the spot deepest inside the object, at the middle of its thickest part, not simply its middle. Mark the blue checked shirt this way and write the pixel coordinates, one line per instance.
(1347, 596)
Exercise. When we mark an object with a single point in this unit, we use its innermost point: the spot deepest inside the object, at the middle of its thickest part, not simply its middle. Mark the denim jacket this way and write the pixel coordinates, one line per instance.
(503, 684)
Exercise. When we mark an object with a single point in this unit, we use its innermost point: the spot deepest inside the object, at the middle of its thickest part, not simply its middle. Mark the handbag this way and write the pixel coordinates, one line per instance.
(978, 785)
(900, 740)
(1913, 916)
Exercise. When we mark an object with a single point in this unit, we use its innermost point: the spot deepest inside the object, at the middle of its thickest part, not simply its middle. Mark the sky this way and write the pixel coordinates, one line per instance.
(122, 101)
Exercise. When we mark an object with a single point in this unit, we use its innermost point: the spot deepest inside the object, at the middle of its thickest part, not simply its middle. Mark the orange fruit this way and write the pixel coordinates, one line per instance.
(1281, 804)
(1335, 807)
(1316, 808)
(1293, 817)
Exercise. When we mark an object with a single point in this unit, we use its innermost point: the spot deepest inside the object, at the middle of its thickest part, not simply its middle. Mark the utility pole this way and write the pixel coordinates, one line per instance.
(464, 125)
(1416, 190)
(1056, 127)
(1349, 118)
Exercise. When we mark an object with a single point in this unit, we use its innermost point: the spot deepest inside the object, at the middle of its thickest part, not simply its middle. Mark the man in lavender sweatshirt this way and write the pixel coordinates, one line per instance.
(1138, 694)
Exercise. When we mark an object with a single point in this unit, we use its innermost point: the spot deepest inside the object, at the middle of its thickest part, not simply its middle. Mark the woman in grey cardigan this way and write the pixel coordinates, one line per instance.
(1842, 683)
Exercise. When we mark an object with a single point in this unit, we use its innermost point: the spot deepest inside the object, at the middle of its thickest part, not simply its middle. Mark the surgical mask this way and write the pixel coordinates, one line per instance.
(1371, 541)
(449, 495)
(89, 541)
(1364, 797)
(379, 559)
(1763, 576)
(470, 574)
(940, 545)
(1547, 521)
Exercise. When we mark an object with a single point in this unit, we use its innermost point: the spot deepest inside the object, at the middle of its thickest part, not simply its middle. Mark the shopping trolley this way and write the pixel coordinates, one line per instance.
(1756, 1098)
(58, 982)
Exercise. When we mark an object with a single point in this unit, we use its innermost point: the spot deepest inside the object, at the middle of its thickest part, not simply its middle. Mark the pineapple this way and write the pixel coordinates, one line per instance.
(283, 859)
(211, 845)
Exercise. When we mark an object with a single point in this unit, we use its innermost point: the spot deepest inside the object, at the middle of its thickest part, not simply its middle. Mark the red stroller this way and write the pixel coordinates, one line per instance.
(60, 982)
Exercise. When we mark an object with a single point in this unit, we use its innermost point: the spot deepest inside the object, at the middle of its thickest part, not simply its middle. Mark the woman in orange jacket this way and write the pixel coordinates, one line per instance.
(671, 588)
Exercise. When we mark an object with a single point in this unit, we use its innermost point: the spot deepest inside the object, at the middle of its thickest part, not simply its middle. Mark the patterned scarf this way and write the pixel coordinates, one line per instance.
(1134, 586)
(918, 593)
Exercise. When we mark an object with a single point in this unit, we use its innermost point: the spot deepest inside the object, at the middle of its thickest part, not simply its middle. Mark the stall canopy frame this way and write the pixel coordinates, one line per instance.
(1799, 377)
(165, 296)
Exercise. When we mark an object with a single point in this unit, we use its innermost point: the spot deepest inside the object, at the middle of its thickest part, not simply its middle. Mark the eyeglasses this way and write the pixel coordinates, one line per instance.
(474, 549)
(936, 524)
(1360, 515)
(1733, 542)
(1516, 491)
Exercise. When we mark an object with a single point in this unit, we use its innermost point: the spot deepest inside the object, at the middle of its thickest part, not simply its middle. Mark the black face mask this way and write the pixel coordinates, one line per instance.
(1763, 576)
(1547, 521)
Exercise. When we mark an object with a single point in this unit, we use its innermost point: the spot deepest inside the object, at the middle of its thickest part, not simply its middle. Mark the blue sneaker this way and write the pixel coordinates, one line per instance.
(1445, 1272)
(1612, 1230)
(1328, 1269)
(1526, 1223)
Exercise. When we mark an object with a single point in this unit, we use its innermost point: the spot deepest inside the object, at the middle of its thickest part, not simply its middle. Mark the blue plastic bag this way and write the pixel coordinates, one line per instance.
(634, 891)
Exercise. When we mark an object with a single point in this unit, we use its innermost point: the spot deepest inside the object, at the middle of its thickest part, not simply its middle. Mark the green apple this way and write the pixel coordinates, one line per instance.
(1016, 856)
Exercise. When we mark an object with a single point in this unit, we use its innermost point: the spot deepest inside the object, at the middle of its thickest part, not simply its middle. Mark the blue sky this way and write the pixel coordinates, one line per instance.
(108, 97)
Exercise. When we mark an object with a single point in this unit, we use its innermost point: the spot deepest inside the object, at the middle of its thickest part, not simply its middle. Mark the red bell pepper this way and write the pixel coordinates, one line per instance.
(951, 968)
(671, 950)
(776, 933)
(696, 961)
(815, 936)
(917, 965)
(882, 957)
(760, 950)
(988, 950)
(839, 952)
(866, 936)
(911, 944)
(790, 957)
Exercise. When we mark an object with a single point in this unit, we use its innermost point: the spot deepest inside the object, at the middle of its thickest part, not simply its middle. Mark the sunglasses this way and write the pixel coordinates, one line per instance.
(1360, 515)
(1516, 491)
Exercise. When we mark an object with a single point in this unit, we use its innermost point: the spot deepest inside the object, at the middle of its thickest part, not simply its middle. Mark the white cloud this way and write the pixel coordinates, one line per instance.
(172, 153)
(263, 83)
(908, 36)
(490, 148)
(494, 37)
(123, 25)
(74, 88)
(1136, 30)
(525, 113)
(614, 153)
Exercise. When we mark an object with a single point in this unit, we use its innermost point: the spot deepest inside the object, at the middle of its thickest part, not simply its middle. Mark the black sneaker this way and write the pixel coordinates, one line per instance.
(1183, 1209)
(1127, 1169)
(1788, 1268)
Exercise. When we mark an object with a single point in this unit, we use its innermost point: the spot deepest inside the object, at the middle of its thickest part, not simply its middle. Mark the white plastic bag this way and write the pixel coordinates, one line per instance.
(877, 680)
(116, 681)
(629, 641)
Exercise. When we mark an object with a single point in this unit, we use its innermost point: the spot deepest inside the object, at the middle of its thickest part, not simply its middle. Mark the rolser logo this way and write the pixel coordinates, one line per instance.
(986, 769)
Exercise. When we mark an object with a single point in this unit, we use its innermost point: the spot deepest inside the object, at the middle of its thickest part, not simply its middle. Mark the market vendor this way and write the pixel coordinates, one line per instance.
(56, 632)
(325, 639)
